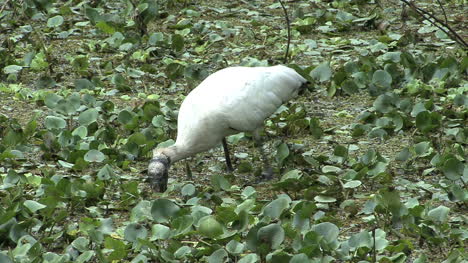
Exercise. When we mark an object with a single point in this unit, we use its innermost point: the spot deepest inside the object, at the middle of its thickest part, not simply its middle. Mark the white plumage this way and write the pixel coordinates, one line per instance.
(229, 101)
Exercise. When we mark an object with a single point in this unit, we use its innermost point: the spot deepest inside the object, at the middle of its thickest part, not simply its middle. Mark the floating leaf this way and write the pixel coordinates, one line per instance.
(94, 156)
(162, 210)
(55, 21)
(33, 206)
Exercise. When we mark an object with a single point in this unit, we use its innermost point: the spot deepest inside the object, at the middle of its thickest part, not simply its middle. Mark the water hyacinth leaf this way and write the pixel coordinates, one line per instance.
(381, 78)
(350, 87)
(94, 156)
(188, 190)
(182, 252)
(219, 182)
(275, 208)
(12, 69)
(249, 258)
(118, 247)
(177, 42)
(352, 184)
(105, 173)
(282, 152)
(331, 169)
(322, 72)
(55, 21)
(324, 199)
(234, 247)
(272, 235)
(33, 206)
(439, 214)
(160, 232)
(88, 116)
(55, 123)
(210, 227)
(219, 255)
(135, 231)
(383, 103)
(453, 169)
(327, 230)
(81, 244)
(163, 209)
(422, 149)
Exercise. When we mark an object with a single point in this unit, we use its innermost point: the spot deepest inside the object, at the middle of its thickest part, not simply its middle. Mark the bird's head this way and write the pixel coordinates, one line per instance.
(158, 171)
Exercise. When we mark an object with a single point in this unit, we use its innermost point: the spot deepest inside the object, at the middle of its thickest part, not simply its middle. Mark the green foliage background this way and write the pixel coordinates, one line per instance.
(370, 161)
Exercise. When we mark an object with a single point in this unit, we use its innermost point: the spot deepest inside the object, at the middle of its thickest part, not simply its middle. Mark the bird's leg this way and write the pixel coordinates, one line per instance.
(227, 157)
(267, 173)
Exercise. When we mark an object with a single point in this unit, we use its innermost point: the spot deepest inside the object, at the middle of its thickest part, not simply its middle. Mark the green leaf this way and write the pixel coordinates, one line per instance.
(352, 184)
(275, 208)
(12, 69)
(350, 87)
(210, 227)
(55, 123)
(322, 72)
(94, 156)
(383, 103)
(272, 235)
(282, 152)
(219, 182)
(453, 169)
(160, 232)
(234, 247)
(135, 231)
(33, 206)
(177, 42)
(439, 214)
(55, 21)
(219, 255)
(188, 190)
(81, 244)
(163, 209)
(382, 78)
(88, 116)
(422, 149)
(327, 230)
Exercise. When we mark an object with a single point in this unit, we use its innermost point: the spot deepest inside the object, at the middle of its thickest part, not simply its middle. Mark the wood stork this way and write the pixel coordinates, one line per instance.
(232, 100)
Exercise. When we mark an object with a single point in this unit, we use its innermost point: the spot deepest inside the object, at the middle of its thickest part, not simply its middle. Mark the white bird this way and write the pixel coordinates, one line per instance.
(232, 100)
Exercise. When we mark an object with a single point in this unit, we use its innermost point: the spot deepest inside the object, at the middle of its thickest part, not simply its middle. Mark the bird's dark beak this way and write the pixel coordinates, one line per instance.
(305, 86)
(158, 174)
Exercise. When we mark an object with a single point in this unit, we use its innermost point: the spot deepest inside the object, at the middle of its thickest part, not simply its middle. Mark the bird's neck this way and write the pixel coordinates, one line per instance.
(174, 152)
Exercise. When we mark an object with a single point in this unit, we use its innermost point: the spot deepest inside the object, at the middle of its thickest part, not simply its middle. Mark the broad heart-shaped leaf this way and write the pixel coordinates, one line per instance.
(163, 210)
(349, 86)
(219, 255)
(276, 207)
(84, 84)
(422, 149)
(439, 214)
(327, 230)
(210, 227)
(272, 235)
(322, 72)
(33, 206)
(383, 103)
(94, 156)
(382, 78)
(55, 21)
(88, 116)
(453, 169)
(427, 121)
(51, 100)
(135, 231)
(12, 69)
(57, 123)
(220, 183)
